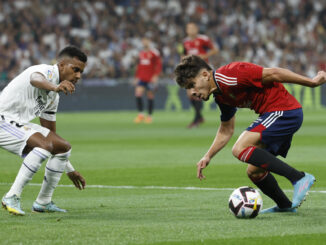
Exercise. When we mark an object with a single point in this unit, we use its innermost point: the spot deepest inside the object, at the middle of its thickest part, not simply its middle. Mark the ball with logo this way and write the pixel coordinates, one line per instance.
(245, 202)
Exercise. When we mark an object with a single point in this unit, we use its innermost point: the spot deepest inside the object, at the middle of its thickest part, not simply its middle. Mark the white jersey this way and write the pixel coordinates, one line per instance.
(22, 102)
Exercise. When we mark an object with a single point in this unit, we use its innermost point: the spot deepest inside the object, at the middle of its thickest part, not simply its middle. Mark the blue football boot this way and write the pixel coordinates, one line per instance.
(12, 204)
(301, 188)
(48, 208)
(276, 209)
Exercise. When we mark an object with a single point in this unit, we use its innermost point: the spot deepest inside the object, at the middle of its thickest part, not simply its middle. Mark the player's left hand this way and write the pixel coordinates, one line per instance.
(77, 179)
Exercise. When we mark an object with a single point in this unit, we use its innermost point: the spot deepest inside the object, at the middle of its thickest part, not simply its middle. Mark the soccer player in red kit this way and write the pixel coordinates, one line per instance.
(148, 69)
(201, 45)
(246, 85)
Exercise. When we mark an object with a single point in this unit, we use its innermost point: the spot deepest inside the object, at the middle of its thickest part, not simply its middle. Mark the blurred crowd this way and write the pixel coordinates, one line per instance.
(286, 33)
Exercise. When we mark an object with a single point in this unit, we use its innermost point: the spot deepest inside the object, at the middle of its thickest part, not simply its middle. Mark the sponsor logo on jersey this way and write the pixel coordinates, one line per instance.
(39, 107)
(145, 61)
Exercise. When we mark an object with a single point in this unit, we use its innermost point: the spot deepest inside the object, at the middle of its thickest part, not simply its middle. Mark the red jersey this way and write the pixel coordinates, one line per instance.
(149, 65)
(200, 45)
(241, 86)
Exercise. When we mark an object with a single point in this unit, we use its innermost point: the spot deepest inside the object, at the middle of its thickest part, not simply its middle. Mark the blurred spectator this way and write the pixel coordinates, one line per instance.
(287, 33)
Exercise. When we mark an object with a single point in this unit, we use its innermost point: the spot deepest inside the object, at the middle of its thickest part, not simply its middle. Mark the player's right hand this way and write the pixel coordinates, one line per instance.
(77, 179)
(66, 87)
(203, 163)
(319, 79)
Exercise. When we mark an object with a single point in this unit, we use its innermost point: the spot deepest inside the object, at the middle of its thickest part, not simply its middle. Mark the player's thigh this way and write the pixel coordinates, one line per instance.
(245, 140)
(50, 142)
(60, 145)
(139, 90)
(14, 136)
(38, 139)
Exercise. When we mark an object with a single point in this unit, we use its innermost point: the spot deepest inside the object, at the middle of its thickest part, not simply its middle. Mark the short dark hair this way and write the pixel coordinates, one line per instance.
(73, 52)
(188, 69)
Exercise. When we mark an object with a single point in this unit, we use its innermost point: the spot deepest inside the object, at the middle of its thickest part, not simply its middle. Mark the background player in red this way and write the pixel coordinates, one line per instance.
(247, 85)
(201, 45)
(148, 69)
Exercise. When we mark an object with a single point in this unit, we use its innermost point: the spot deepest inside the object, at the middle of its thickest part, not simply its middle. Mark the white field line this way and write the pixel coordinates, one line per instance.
(155, 187)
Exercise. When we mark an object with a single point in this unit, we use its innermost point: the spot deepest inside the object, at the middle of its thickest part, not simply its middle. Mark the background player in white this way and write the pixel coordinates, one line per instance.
(34, 93)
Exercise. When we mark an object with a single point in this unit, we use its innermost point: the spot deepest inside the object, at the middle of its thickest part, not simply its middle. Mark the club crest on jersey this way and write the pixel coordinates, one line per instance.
(49, 75)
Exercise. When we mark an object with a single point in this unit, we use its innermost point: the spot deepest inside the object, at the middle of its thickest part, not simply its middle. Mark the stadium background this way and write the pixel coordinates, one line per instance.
(285, 33)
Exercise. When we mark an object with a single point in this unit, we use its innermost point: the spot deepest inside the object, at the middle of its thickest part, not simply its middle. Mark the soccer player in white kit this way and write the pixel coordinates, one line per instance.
(35, 93)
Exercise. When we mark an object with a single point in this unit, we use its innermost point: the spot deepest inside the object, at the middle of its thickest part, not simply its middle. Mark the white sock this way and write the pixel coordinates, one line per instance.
(53, 171)
(30, 166)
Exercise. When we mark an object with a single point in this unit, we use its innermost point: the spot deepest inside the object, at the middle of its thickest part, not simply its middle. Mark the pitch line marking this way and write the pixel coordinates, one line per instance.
(192, 188)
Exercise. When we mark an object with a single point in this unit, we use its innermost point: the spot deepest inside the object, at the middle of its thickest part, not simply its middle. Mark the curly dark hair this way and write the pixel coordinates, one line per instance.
(189, 68)
(73, 52)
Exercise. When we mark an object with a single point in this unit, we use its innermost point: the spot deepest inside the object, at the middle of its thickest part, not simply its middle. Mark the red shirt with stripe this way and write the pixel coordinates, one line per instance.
(241, 86)
(200, 45)
(149, 64)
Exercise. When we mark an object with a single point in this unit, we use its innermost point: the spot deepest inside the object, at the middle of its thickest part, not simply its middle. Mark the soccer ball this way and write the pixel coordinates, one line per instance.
(245, 202)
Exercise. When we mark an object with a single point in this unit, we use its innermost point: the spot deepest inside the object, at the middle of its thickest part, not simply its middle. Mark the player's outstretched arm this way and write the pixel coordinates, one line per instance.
(223, 135)
(39, 81)
(286, 76)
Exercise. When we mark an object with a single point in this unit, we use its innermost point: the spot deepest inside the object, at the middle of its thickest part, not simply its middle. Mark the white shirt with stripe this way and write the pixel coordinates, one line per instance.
(22, 102)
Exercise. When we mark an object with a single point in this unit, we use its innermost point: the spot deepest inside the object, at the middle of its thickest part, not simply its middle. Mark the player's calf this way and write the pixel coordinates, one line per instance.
(265, 160)
(53, 172)
(266, 182)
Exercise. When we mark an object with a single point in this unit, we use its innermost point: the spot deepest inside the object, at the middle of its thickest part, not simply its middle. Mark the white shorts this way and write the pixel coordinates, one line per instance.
(13, 136)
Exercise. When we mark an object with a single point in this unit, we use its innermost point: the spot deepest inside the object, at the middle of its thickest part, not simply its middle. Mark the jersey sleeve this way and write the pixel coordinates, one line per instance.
(250, 74)
(227, 112)
(47, 71)
(49, 113)
(40, 71)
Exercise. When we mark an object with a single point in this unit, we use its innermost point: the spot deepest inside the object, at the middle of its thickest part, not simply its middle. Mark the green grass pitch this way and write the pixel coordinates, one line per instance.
(111, 151)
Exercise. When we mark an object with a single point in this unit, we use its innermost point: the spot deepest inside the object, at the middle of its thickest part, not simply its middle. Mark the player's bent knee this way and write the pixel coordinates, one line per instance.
(60, 146)
(64, 147)
(236, 150)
